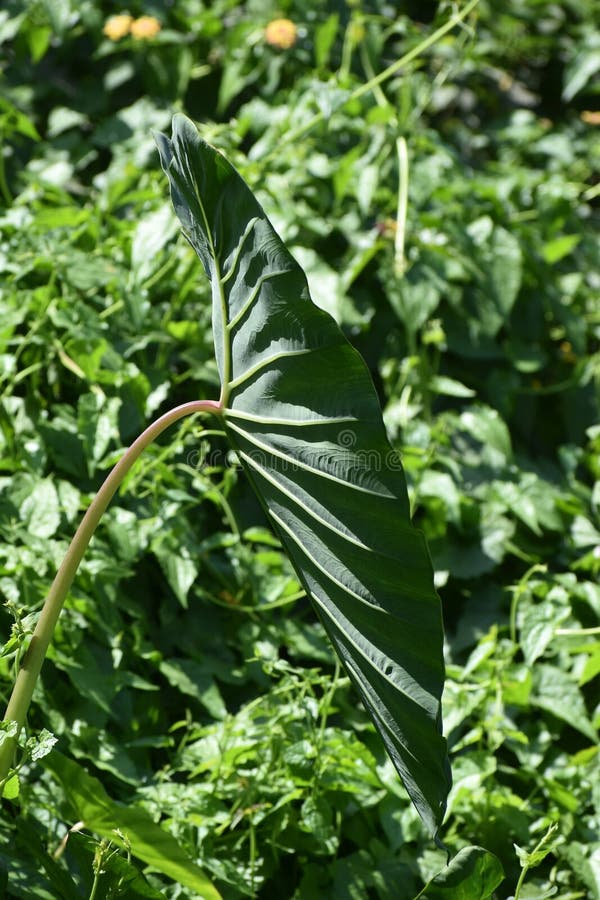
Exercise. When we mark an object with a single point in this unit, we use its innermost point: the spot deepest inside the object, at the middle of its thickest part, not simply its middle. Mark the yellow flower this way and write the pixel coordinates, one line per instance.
(387, 227)
(356, 32)
(591, 116)
(145, 27)
(566, 351)
(117, 27)
(281, 33)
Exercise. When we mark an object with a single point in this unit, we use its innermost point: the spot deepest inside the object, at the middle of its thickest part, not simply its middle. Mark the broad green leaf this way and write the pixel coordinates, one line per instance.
(473, 874)
(499, 266)
(97, 423)
(148, 841)
(537, 625)
(556, 692)
(40, 510)
(415, 297)
(150, 236)
(300, 409)
(486, 426)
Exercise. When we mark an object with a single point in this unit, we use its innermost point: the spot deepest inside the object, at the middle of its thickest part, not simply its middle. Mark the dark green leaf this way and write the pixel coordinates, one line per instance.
(302, 413)
(32, 871)
(150, 843)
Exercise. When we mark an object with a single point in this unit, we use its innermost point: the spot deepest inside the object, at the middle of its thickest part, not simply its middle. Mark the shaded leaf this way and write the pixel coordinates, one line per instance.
(149, 842)
(31, 871)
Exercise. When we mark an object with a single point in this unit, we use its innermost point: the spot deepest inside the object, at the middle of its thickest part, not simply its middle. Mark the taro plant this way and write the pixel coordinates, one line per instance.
(300, 410)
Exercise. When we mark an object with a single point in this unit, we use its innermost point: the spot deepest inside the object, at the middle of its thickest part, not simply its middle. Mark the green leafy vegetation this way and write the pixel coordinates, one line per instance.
(447, 219)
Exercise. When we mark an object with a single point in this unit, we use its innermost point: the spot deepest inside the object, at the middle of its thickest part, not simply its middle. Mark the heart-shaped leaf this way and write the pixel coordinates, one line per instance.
(300, 409)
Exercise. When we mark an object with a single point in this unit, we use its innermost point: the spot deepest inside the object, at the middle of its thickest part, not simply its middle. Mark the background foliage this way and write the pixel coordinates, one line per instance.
(189, 675)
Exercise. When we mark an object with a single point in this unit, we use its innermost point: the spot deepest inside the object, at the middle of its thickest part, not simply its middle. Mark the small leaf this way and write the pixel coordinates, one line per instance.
(449, 387)
(486, 426)
(41, 744)
(192, 678)
(583, 67)
(545, 846)
(97, 425)
(537, 626)
(560, 247)
(150, 236)
(11, 788)
(473, 874)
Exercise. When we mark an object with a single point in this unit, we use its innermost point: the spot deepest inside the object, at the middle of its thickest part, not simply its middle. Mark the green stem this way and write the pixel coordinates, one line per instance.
(395, 67)
(33, 659)
(399, 258)
(578, 632)
(94, 885)
(4, 189)
(380, 97)
(518, 591)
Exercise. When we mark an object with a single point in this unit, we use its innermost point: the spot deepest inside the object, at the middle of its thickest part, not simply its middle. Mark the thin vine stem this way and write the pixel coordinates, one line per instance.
(391, 70)
(32, 662)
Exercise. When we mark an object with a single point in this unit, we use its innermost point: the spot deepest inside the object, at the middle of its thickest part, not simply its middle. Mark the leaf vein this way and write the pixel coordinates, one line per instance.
(302, 465)
(314, 515)
(252, 297)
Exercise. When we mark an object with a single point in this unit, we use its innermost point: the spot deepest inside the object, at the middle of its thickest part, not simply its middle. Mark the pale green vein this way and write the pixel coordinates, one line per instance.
(219, 280)
(239, 249)
(346, 535)
(254, 370)
(340, 584)
(302, 423)
(347, 632)
(307, 509)
(302, 465)
(246, 306)
(396, 737)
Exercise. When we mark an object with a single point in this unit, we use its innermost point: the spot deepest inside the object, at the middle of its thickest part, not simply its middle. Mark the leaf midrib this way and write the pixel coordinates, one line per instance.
(226, 349)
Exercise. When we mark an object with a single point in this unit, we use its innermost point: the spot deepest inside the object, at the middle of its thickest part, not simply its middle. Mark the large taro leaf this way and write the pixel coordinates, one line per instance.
(300, 409)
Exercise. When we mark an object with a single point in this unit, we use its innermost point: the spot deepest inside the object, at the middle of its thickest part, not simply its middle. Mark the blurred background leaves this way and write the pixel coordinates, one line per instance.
(188, 673)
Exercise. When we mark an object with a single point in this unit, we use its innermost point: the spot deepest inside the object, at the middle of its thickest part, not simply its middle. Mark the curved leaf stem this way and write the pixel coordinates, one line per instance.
(33, 659)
